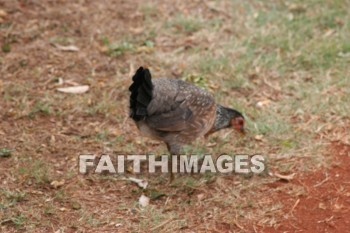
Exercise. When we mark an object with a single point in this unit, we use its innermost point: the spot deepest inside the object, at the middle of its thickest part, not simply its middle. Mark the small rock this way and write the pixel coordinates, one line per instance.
(144, 201)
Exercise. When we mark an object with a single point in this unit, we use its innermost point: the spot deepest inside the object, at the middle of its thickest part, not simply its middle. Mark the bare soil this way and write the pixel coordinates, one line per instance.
(325, 207)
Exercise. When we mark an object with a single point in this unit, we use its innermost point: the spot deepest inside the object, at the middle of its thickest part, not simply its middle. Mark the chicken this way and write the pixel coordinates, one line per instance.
(177, 112)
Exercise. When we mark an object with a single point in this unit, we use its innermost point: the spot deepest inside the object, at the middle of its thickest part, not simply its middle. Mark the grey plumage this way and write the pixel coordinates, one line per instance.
(175, 111)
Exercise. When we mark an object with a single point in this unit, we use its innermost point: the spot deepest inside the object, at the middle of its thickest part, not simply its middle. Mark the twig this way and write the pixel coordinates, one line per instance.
(162, 224)
(217, 10)
(6, 221)
(326, 220)
(237, 224)
(294, 206)
(270, 85)
(167, 201)
(322, 182)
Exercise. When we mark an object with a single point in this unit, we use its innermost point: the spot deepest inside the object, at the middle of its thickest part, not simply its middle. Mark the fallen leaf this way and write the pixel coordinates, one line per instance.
(211, 144)
(76, 206)
(200, 197)
(338, 206)
(103, 49)
(144, 49)
(71, 82)
(1, 85)
(297, 8)
(68, 48)
(258, 137)
(74, 90)
(156, 195)
(263, 103)
(3, 13)
(137, 30)
(143, 201)
(322, 206)
(284, 177)
(141, 183)
(328, 33)
(56, 184)
(5, 153)
(37, 192)
(341, 54)
(130, 169)
(6, 48)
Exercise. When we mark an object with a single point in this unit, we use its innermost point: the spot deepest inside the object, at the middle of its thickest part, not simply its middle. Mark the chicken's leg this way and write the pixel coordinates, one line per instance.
(174, 150)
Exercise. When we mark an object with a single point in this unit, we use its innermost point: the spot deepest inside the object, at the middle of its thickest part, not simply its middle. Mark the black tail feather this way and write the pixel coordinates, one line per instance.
(141, 94)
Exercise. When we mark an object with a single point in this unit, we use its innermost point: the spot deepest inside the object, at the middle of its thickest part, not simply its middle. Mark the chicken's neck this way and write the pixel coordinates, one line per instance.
(223, 118)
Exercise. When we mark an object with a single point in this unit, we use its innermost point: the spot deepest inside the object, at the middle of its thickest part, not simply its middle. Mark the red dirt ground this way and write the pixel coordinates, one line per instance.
(326, 206)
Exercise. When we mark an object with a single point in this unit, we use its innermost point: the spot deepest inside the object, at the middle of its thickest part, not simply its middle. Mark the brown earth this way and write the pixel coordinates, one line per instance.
(326, 205)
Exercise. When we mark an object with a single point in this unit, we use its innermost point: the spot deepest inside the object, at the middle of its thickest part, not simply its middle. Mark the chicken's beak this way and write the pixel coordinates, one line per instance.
(242, 131)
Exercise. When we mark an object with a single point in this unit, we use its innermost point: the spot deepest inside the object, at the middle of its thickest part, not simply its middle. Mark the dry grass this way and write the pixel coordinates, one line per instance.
(290, 56)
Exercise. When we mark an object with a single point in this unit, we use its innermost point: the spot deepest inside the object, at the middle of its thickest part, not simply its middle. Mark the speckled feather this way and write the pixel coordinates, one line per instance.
(179, 111)
(174, 111)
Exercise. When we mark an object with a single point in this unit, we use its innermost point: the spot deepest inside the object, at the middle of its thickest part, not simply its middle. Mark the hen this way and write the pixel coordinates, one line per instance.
(177, 112)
